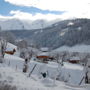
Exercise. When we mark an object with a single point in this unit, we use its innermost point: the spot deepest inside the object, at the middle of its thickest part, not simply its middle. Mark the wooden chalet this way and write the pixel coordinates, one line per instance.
(74, 60)
(44, 55)
(10, 52)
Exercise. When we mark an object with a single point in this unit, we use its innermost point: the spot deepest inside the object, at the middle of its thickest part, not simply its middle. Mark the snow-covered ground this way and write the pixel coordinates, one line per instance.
(69, 75)
(76, 48)
(11, 71)
(22, 82)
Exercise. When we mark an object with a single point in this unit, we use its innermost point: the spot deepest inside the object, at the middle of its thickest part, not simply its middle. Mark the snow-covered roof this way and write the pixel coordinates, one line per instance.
(70, 23)
(10, 47)
(74, 58)
(44, 49)
(43, 54)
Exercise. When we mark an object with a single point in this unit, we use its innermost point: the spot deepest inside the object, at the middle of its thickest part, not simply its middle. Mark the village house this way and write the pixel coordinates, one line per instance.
(74, 60)
(10, 50)
(44, 56)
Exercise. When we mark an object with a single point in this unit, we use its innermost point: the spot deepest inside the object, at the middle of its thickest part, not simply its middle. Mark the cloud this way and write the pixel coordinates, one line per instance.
(66, 15)
(49, 17)
(58, 5)
(77, 8)
(28, 16)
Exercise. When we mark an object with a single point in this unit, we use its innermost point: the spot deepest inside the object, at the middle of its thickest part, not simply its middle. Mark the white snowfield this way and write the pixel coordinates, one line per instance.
(11, 72)
(22, 82)
(77, 48)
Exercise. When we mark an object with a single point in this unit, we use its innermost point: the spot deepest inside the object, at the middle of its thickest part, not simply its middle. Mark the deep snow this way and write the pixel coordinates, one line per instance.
(11, 71)
(71, 74)
(77, 48)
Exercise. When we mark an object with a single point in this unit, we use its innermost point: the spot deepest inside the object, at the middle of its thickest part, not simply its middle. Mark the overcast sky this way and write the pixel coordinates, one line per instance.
(44, 9)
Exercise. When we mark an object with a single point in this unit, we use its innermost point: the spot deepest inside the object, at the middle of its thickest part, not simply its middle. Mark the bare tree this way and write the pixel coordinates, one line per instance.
(25, 68)
(3, 44)
(57, 56)
(86, 67)
(60, 57)
(9, 36)
(64, 56)
(74, 54)
(22, 44)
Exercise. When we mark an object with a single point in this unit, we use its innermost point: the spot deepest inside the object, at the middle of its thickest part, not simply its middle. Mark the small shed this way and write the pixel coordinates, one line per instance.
(44, 49)
(44, 57)
(11, 52)
(10, 49)
(74, 59)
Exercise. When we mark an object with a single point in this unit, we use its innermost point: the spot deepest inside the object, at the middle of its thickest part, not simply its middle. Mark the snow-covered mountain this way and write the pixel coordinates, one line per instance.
(10, 24)
(17, 24)
(77, 48)
(67, 32)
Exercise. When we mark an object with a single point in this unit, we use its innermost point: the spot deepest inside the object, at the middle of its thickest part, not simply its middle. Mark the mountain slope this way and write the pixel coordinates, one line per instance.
(67, 32)
(17, 24)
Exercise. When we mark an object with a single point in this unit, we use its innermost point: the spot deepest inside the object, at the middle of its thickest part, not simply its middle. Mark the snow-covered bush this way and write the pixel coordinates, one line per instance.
(6, 86)
(22, 54)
